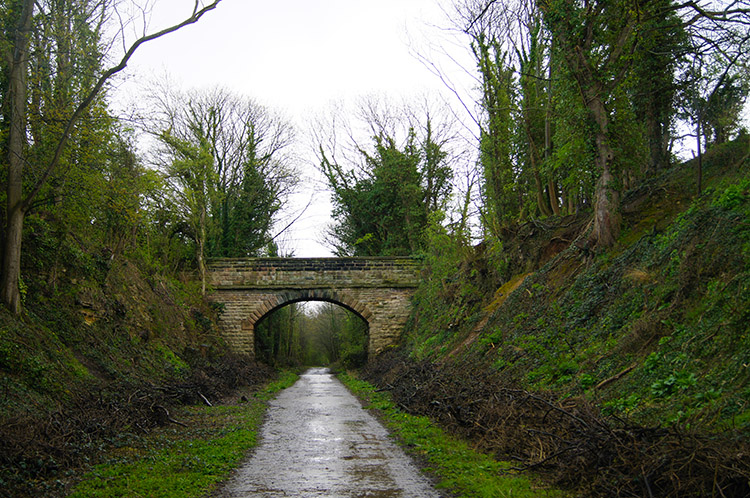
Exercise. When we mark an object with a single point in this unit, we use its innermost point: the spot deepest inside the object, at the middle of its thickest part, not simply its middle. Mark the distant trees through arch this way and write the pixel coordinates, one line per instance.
(312, 333)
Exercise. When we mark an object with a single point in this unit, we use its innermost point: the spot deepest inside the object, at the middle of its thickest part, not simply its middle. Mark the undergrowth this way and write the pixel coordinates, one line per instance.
(649, 338)
(182, 462)
(565, 441)
(657, 333)
(102, 349)
(654, 330)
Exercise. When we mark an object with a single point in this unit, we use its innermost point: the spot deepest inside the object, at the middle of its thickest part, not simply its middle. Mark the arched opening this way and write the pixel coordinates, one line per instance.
(312, 331)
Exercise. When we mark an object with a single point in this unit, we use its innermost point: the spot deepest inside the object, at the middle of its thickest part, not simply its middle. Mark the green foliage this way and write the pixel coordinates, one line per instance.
(500, 189)
(246, 215)
(679, 381)
(321, 335)
(652, 85)
(40, 365)
(553, 371)
(194, 181)
(444, 298)
(383, 208)
(734, 196)
(227, 169)
(621, 406)
(172, 363)
(722, 110)
(556, 77)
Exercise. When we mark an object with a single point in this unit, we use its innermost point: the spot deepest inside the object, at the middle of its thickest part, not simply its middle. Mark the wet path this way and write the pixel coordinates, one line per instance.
(318, 441)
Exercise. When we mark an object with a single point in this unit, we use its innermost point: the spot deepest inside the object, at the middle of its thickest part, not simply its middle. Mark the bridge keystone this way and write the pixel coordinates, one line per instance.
(377, 289)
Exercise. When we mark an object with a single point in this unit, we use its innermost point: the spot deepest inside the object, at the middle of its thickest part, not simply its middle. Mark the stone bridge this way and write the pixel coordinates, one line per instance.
(377, 289)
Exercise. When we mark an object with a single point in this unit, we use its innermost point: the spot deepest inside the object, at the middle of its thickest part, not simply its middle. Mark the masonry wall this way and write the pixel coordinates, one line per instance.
(377, 289)
(315, 272)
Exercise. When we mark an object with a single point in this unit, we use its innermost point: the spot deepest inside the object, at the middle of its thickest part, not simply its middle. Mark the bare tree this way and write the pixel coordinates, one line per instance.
(227, 167)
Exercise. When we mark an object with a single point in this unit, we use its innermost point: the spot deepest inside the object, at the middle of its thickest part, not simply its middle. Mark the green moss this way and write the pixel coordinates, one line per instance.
(173, 362)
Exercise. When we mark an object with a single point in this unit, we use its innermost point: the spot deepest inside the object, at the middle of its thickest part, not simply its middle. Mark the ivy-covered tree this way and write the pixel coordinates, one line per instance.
(252, 171)
(596, 42)
(193, 180)
(383, 203)
(53, 70)
(653, 85)
(247, 213)
(501, 196)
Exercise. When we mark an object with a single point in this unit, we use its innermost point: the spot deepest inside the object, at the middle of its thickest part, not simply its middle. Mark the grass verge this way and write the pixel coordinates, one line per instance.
(458, 468)
(182, 462)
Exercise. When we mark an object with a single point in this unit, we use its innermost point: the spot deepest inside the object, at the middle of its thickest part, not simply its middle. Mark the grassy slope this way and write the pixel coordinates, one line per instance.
(655, 329)
(641, 352)
(104, 347)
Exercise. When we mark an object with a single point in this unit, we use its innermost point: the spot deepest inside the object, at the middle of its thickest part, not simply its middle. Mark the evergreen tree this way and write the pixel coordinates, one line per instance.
(383, 210)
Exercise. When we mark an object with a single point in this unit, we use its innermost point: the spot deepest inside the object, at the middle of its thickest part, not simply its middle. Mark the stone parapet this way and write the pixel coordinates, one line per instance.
(300, 273)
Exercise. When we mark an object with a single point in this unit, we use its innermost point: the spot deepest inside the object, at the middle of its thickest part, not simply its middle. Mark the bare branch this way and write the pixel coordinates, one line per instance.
(91, 96)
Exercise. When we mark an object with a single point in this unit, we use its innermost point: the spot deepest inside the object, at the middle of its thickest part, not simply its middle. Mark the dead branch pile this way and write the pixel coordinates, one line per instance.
(33, 445)
(566, 441)
(215, 379)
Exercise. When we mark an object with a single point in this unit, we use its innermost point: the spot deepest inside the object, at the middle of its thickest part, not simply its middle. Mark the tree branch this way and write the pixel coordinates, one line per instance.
(91, 96)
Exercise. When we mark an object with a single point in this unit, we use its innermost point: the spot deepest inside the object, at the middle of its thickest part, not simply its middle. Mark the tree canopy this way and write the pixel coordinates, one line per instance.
(577, 101)
(581, 99)
(384, 194)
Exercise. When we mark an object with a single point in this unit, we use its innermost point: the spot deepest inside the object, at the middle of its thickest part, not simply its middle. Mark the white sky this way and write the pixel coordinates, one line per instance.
(297, 57)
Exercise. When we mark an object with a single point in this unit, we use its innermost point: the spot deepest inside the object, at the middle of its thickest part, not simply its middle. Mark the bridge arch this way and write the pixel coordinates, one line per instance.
(377, 289)
(281, 299)
(263, 349)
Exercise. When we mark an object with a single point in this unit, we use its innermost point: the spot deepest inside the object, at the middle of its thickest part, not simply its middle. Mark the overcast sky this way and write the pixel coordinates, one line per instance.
(298, 56)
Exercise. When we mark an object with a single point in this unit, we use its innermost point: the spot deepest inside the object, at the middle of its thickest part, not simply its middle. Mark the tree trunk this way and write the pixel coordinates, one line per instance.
(16, 98)
(11, 269)
(698, 133)
(551, 183)
(552, 192)
(202, 251)
(9, 292)
(572, 203)
(607, 198)
(541, 198)
(657, 136)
